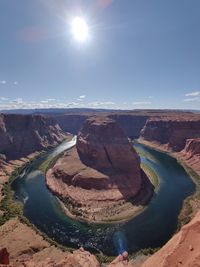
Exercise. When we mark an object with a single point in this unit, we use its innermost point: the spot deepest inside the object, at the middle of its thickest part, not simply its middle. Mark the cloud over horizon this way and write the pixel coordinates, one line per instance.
(197, 93)
(53, 103)
(141, 103)
(3, 82)
(192, 97)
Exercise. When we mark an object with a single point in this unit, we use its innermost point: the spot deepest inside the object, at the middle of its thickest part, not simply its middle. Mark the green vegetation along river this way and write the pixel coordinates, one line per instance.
(152, 228)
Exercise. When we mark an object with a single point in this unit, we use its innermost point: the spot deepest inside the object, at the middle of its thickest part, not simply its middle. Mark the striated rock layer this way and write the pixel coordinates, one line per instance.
(191, 154)
(171, 132)
(182, 250)
(100, 179)
(178, 135)
(22, 135)
(23, 247)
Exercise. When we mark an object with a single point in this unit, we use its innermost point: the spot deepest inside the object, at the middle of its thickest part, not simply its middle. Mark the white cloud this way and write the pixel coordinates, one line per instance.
(51, 99)
(3, 98)
(18, 100)
(20, 103)
(3, 82)
(197, 93)
(72, 104)
(48, 100)
(100, 104)
(142, 103)
(44, 101)
(82, 96)
(196, 99)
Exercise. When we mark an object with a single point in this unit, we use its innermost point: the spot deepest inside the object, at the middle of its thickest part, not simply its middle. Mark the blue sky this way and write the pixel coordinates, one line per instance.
(140, 54)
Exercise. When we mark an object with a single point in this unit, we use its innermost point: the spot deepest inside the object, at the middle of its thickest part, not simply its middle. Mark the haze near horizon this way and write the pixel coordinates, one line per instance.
(100, 54)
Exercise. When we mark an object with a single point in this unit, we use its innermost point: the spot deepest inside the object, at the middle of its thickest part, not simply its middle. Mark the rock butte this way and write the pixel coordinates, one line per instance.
(23, 244)
(100, 179)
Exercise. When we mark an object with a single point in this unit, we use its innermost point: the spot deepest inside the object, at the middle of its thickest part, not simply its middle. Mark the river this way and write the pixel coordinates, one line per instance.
(152, 228)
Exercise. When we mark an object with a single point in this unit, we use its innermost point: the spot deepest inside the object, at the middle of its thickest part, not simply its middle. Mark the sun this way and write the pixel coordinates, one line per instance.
(79, 29)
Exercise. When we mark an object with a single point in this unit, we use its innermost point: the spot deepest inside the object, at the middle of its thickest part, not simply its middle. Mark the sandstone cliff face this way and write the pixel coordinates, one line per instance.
(24, 247)
(79, 258)
(171, 132)
(181, 137)
(71, 123)
(102, 170)
(182, 250)
(21, 135)
(131, 124)
(192, 147)
(191, 154)
(103, 145)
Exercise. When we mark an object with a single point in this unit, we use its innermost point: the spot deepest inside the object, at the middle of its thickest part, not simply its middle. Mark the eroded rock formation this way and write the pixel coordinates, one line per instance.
(22, 135)
(79, 258)
(28, 248)
(191, 154)
(179, 135)
(182, 250)
(172, 132)
(71, 122)
(100, 179)
(24, 247)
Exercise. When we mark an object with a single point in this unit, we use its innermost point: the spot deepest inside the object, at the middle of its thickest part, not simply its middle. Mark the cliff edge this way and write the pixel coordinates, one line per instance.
(100, 179)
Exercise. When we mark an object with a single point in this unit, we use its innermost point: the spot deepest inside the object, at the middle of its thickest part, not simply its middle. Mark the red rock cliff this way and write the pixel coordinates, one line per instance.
(71, 123)
(102, 170)
(103, 145)
(183, 249)
(171, 132)
(22, 135)
(132, 124)
(192, 147)
(191, 154)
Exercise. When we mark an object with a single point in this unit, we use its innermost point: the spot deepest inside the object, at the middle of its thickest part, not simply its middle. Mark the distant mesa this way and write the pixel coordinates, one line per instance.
(100, 179)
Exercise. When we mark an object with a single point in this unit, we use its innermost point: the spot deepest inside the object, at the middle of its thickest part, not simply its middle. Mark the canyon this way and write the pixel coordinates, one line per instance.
(100, 179)
(172, 131)
(24, 136)
(178, 135)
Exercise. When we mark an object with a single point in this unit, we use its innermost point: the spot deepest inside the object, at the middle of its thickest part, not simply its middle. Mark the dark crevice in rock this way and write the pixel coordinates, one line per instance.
(108, 157)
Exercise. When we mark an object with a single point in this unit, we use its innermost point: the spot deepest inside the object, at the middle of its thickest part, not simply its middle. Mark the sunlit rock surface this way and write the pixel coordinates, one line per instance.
(172, 132)
(22, 135)
(100, 179)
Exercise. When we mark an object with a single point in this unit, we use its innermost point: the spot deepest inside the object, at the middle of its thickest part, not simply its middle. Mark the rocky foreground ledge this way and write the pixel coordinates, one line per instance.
(100, 180)
(183, 249)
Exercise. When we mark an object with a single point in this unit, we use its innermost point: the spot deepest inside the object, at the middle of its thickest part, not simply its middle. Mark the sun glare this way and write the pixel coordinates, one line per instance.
(79, 29)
